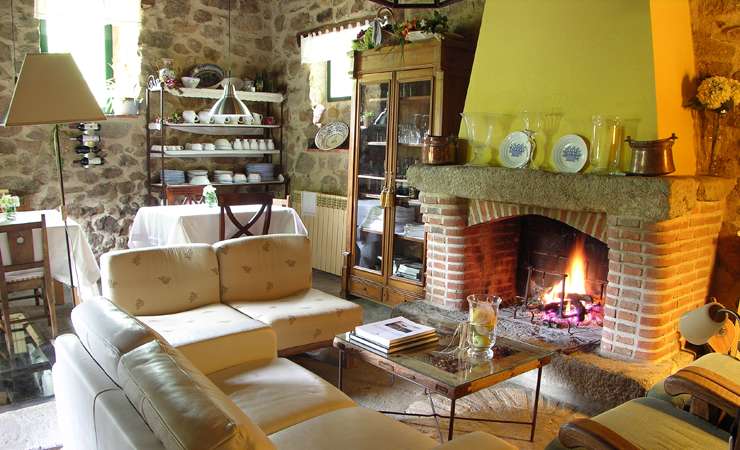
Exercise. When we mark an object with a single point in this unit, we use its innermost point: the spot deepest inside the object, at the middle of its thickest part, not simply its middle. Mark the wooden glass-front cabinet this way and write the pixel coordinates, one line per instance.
(400, 95)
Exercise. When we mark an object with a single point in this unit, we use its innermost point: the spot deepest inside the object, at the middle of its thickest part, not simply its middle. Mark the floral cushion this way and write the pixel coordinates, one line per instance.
(264, 267)
(161, 280)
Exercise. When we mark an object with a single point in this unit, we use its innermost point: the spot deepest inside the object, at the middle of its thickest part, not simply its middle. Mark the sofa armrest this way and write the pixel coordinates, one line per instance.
(592, 435)
(707, 385)
(477, 440)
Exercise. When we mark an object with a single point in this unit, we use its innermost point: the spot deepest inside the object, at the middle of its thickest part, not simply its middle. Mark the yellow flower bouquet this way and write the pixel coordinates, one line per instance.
(718, 94)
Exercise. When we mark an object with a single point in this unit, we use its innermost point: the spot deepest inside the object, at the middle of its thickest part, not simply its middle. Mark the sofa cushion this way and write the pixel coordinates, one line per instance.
(279, 394)
(351, 428)
(669, 427)
(214, 337)
(107, 332)
(184, 409)
(304, 318)
(263, 267)
(161, 280)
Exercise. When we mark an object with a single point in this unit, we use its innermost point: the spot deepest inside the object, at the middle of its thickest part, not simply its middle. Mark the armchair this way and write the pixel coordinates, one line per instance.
(653, 423)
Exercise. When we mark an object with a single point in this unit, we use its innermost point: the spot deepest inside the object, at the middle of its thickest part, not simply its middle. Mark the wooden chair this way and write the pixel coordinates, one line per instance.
(188, 195)
(281, 201)
(226, 201)
(21, 271)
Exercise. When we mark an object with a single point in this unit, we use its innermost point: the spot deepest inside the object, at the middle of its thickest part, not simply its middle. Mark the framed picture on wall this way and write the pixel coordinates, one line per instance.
(338, 79)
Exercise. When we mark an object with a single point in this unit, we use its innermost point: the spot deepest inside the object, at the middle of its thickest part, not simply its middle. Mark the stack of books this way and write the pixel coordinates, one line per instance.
(393, 335)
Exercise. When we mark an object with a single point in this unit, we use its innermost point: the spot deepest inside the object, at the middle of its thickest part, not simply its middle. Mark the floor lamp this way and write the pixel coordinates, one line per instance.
(50, 90)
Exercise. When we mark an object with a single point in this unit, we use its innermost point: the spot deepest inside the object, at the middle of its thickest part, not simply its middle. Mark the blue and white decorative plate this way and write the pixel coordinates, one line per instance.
(570, 154)
(516, 150)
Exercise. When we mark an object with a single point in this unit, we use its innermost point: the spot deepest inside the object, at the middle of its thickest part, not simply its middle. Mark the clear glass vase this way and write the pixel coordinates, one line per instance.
(482, 319)
(9, 213)
(479, 127)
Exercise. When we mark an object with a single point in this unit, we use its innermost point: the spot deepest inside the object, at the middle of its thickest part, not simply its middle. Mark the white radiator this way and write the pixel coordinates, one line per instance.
(325, 221)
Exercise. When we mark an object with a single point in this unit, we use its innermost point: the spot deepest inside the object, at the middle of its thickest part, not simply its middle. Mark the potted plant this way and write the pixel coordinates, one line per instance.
(9, 205)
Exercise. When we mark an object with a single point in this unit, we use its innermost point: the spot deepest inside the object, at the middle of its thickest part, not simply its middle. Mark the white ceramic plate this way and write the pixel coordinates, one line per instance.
(570, 154)
(332, 135)
(515, 150)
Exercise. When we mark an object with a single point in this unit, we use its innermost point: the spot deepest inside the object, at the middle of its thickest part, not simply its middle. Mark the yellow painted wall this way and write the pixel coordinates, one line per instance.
(673, 51)
(574, 57)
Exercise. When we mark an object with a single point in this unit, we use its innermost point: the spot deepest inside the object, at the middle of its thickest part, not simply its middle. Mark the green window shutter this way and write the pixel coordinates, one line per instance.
(43, 37)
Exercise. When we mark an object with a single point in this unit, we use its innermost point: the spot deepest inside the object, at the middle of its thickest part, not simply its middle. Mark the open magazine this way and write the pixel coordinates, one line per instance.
(393, 332)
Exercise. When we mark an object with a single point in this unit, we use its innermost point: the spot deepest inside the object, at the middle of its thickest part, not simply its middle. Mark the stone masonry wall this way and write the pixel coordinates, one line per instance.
(716, 31)
(105, 199)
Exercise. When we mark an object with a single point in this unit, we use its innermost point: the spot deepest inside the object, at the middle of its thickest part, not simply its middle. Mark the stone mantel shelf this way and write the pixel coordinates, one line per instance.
(647, 198)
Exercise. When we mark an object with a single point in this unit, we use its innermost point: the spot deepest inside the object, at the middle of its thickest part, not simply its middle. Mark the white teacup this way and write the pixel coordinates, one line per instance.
(190, 117)
(205, 117)
(257, 117)
(196, 146)
(223, 143)
(209, 146)
(221, 119)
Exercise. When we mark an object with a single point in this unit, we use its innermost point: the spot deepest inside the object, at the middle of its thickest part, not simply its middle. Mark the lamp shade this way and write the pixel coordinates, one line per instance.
(50, 89)
(229, 103)
(699, 325)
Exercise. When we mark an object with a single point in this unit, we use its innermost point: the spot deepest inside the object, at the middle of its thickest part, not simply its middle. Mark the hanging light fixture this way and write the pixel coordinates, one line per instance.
(415, 3)
(229, 103)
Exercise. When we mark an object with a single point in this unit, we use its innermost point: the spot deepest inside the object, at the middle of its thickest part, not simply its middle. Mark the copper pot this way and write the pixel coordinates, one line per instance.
(438, 150)
(652, 157)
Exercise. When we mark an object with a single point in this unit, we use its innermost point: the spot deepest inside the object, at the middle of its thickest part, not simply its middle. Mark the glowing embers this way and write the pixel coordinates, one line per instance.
(562, 300)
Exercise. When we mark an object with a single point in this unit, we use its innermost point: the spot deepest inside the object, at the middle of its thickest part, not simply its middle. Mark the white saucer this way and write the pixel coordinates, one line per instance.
(570, 153)
(515, 150)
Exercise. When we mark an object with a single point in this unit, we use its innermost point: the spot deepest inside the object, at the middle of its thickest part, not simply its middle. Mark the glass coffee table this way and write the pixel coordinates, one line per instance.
(450, 373)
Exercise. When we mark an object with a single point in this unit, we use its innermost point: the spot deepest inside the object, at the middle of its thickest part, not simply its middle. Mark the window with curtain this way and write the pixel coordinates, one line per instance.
(102, 36)
(332, 47)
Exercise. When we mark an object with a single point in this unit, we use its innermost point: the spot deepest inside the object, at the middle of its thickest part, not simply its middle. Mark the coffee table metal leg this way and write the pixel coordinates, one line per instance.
(536, 404)
(452, 420)
(436, 416)
(341, 363)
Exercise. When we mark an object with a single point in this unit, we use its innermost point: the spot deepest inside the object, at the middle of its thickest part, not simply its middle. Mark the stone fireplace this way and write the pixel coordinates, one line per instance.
(659, 236)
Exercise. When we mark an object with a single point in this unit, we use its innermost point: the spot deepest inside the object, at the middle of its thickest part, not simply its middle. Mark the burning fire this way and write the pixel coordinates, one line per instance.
(576, 281)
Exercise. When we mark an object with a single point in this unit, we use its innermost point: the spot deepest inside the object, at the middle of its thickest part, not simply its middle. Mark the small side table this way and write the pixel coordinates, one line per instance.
(452, 376)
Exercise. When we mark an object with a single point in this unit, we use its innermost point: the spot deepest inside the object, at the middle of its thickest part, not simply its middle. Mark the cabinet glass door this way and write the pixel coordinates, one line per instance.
(414, 121)
(373, 115)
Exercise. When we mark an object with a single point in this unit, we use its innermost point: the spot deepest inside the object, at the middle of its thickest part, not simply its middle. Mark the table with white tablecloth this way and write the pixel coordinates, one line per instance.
(183, 224)
(85, 269)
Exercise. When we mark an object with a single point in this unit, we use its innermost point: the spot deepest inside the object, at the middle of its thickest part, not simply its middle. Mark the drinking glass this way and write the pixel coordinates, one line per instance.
(599, 151)
(483, 316)
(616, 140)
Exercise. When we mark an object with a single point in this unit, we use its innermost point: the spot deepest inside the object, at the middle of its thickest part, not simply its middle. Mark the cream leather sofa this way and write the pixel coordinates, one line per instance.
(121, 386)
(183, 291)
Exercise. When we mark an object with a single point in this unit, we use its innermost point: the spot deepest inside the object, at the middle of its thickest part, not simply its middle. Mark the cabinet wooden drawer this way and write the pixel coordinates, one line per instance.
(366, 289)
(396, 297)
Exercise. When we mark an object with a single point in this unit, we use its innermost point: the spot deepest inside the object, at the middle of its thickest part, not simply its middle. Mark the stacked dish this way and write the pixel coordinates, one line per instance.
(266, 171)
(199, 176)
(174, 176)
(223, 176)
